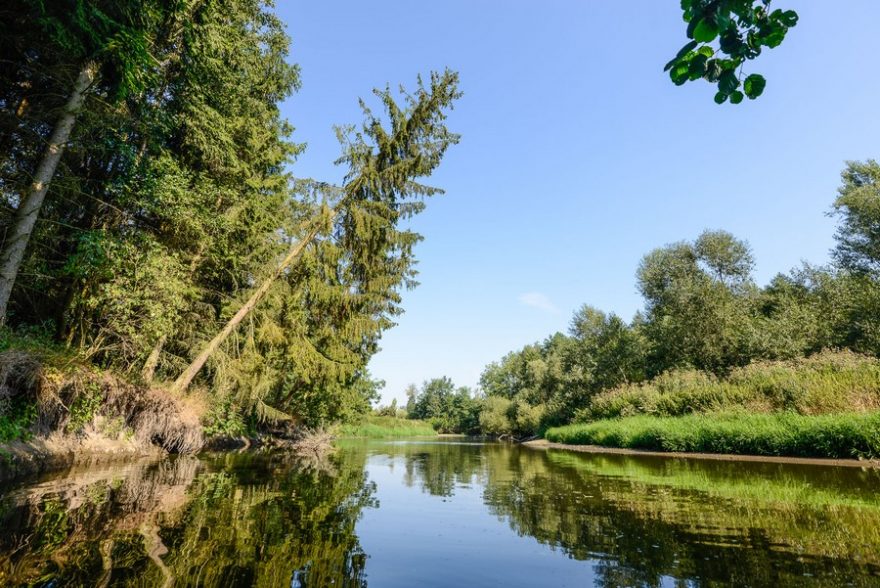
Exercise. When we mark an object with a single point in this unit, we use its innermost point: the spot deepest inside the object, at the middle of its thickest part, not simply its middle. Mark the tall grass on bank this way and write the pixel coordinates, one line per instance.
(374, 426)
(848, 435)
(824, 383)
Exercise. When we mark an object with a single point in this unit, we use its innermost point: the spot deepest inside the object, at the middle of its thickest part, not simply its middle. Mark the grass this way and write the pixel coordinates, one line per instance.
(848, 435)
(825, 383)
(374, 426)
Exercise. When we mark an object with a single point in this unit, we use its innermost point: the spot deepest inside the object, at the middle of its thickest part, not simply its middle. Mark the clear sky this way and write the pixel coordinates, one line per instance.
(578, 155)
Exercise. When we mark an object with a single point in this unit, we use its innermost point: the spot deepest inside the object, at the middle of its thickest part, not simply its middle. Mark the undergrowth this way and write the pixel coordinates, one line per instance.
(376, 426)
(848, 435)
(16, 420)
(825, 383)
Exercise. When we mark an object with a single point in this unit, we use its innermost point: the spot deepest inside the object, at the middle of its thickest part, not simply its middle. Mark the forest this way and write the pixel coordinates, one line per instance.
(155, 237)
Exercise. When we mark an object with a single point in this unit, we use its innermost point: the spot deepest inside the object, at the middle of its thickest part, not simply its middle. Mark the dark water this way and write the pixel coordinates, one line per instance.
(414, 514)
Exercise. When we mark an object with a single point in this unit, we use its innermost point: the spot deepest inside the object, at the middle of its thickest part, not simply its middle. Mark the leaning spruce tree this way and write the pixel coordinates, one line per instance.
(380, 190)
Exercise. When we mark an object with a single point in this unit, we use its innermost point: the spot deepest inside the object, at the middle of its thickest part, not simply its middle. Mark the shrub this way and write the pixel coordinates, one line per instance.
(845, 435)
(825, 383)
(493, 418)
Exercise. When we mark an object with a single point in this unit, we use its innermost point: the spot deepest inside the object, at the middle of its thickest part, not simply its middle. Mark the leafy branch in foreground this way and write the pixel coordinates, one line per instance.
(740, 29)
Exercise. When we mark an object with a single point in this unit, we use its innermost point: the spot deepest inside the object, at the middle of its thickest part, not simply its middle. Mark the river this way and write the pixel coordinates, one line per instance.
(419, 513)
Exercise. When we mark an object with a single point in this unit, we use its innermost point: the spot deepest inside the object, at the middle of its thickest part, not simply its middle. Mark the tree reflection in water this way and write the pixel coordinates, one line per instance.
(246, 519)
(642, 520)
(268, 520)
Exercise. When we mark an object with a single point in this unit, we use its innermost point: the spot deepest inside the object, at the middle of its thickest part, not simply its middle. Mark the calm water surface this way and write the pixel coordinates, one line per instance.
(442, 513)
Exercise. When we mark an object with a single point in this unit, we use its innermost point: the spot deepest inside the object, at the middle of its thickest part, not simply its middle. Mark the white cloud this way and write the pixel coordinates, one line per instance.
(537, 300)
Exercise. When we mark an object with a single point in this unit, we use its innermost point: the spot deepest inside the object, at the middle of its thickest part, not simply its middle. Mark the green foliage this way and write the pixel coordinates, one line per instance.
(225, 419)
(698, 303)
(858, 208)
(391, 410)
(494, 418)
(16, 419)
(548, 382)
(85, 407)
(604, 352)
(724, 35)
(173, 199)
(447, 409)
(530, 377)
(380, 426)
(836, 436)
(825, 383)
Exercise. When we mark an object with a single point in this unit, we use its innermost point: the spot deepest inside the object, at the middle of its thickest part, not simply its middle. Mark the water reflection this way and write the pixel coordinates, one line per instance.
(640, 521)
(451, 513)
(715, 523)
(249, 520)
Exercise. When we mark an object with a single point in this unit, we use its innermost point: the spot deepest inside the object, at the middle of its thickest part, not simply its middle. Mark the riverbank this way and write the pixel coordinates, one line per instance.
(838, 436)
(381, 427)
(57, 411)
(36, 456)
(544, 444)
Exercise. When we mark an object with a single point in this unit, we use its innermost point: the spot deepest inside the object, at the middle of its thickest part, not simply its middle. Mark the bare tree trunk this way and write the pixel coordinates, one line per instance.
(29, 208)
(149, 369)
(186, 378)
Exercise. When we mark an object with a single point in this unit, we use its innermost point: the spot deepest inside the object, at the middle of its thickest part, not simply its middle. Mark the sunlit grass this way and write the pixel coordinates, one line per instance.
(846, 435)
(375, 426)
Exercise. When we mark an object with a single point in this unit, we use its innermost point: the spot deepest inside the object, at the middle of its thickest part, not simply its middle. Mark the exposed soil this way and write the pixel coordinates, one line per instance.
(86, 415)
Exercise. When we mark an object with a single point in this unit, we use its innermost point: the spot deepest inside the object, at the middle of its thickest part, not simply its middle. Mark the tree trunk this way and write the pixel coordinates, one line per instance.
(149, 369)
(186, 378)
(29, 208)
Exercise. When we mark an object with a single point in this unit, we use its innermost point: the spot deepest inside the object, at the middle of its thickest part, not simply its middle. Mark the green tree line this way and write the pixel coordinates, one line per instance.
(704, 319)
(152, 225)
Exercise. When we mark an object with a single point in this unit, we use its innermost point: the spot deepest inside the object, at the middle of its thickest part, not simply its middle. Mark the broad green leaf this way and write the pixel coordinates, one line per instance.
(754, 85)
(697, 67)
(705, 31)
(679, 73)
(727, 83)
(720, 97)
(775, 38)
(686, 49)
(736, 97)
(713, 70)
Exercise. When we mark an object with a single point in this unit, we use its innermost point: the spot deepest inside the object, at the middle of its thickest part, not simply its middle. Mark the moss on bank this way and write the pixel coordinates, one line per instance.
(375, 426)
(848, 435)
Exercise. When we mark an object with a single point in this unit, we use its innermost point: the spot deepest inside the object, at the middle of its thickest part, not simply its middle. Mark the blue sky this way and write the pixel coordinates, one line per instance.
(578, 155)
